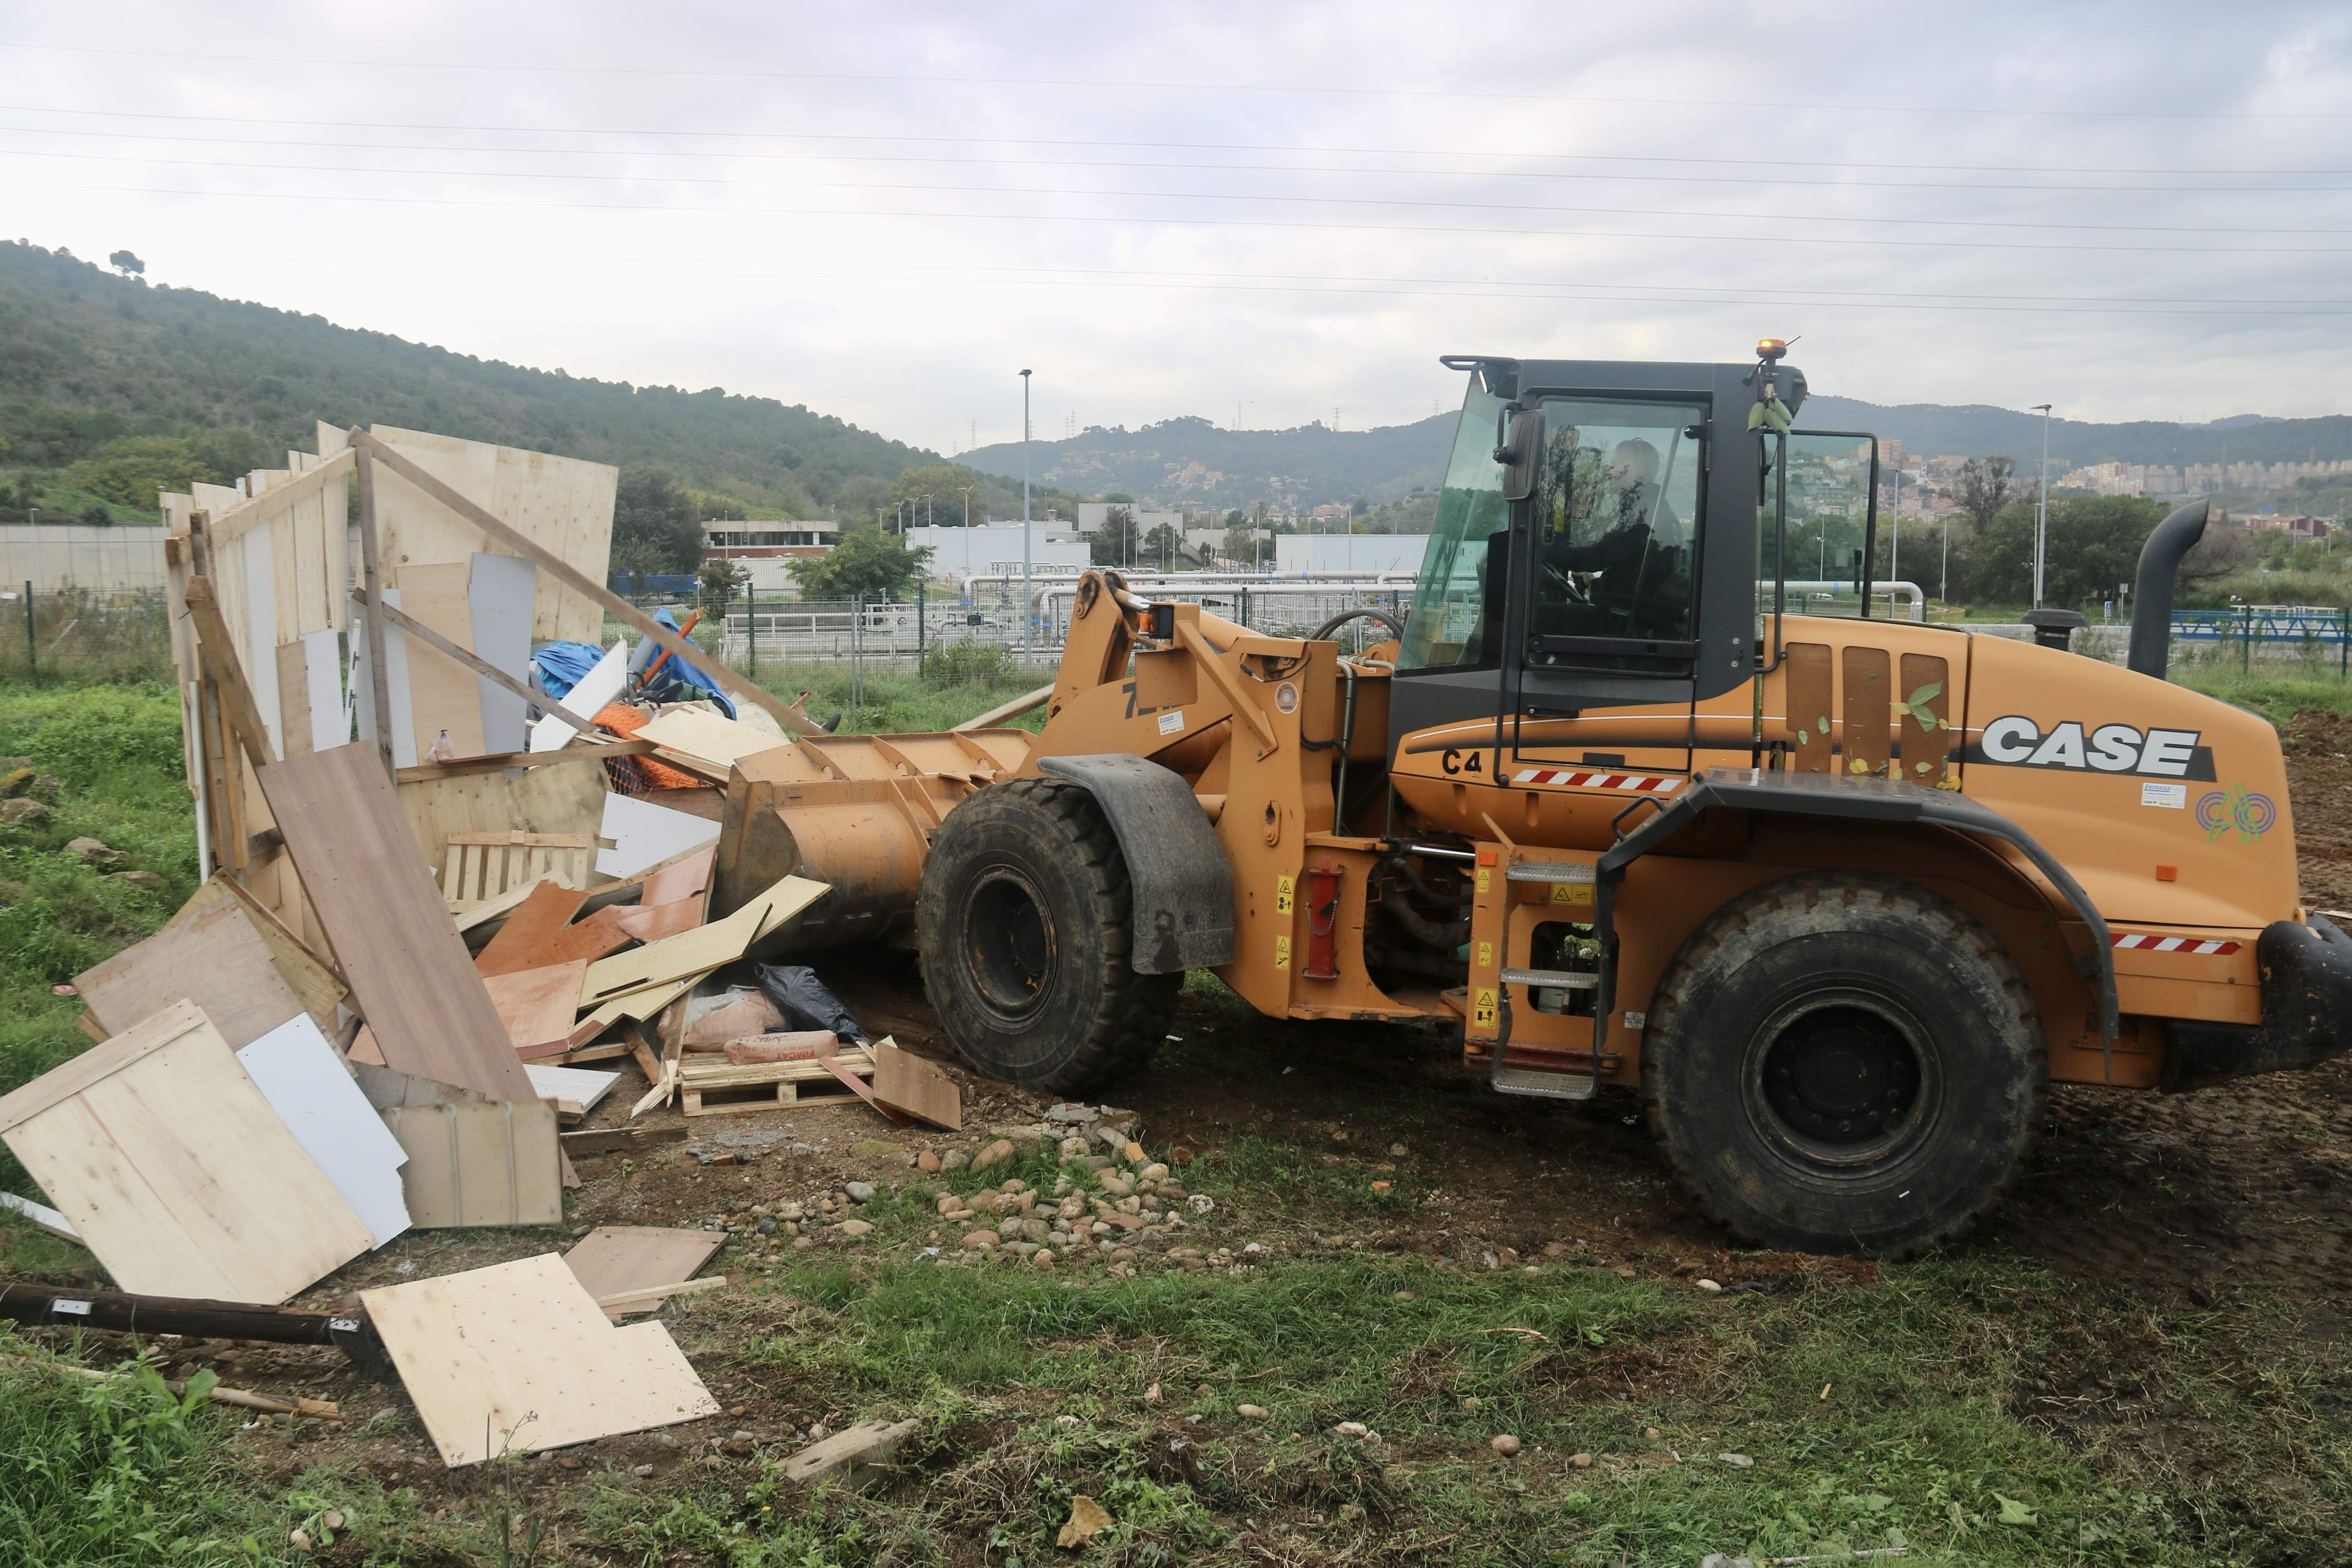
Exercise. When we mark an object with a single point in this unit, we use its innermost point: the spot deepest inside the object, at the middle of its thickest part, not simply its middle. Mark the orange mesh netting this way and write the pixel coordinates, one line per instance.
(626, 721)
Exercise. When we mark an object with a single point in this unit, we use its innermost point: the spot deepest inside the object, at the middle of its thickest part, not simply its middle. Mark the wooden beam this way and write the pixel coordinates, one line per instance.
(1013, 710)
(554, 566)
(371, 575)
(501, 761)
(473, 662)
(646, 1295)
(219, 654)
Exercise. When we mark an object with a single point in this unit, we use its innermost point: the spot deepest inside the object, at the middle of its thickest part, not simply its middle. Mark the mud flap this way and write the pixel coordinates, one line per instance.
(1182, 885)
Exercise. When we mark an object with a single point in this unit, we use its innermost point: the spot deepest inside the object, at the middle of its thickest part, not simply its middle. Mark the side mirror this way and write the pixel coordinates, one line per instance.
(1518, 447)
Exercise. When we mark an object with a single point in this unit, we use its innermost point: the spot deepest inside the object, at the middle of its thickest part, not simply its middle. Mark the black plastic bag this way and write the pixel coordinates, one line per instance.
(806, 1003)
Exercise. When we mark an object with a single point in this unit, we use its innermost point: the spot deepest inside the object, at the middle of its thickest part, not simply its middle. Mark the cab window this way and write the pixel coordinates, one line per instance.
(1615, 527)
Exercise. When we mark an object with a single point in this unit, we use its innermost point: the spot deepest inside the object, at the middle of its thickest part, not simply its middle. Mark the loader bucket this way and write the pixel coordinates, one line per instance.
(856, 812)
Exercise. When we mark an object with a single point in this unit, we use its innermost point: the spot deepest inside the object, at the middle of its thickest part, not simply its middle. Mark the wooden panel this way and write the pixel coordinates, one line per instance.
(705, 947)
(1809, 699)
(442, 693)
(1869, 714)
(564, 505)
(652, 925)
(543, 800)
(602, 932)
(313, 986)
(293, 661)
(408, 969)
(909, 1083)
(518, 1357)
(685, 878)
(298, 1071)
(1926, 690)
(537, 1006)
(612, 1259)
(215, 959)
(479, 1161)
(524, 939)
(177, 1174)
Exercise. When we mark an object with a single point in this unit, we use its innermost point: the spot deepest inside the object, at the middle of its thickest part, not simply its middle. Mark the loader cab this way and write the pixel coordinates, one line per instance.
(1604, 544)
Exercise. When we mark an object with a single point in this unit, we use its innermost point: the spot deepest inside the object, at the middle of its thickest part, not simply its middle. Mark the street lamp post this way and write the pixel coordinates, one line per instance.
(2042, 509)
(967, 506)
(1027, 617)
(1895, 538)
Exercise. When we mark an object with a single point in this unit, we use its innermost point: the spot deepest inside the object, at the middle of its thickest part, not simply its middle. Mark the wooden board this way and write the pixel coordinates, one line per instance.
(705, 947)
(214, 959)
(678, 881)
(298, 965)
(588, 939)
(477, 867)
(480, 1162)
(540, 800)
(918, 1088)
(297, 1069)
(41, 1216)
(444, 696)
(522, 943)
(537, 1006)
(518, 1357)
(654, 922)
(708, 738)
(409, 971)
(613, 1259)
(180, 1179)
(505, 904)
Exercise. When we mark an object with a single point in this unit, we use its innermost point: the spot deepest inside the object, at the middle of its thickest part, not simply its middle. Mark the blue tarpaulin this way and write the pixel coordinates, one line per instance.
(559, 667)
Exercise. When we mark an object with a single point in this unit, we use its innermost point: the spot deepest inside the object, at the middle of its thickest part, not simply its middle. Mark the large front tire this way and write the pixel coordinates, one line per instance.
(1844, 1063)
(1027, 928)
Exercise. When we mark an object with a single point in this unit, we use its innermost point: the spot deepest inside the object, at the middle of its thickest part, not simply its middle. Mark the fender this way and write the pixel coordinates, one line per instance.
(1871, 799)
(1182, 883)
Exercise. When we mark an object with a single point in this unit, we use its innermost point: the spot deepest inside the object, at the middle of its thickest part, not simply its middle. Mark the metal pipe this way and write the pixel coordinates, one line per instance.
(2160, 563)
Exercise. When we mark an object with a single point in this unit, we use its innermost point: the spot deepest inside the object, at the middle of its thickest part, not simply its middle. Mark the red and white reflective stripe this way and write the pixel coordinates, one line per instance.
(1646, 783)
(2141, 940)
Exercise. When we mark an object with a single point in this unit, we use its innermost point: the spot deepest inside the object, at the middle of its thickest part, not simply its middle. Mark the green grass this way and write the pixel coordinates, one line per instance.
(2274, 691)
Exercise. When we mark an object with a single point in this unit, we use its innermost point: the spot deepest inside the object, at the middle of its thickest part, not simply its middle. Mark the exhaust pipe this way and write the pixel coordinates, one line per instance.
(2159, 560)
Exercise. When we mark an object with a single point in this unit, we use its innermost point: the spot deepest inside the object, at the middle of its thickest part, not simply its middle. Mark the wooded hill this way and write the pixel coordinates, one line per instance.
(86, 356)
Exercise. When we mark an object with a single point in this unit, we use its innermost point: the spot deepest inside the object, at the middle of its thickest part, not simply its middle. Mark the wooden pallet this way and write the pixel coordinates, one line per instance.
(726, 1089)
(479, 867)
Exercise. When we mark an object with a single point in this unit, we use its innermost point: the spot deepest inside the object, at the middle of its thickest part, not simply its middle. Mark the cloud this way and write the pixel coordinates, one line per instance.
(2130, 211)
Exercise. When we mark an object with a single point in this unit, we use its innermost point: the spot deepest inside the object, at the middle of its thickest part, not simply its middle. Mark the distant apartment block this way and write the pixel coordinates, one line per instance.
(763, 541)
(2197, 479)
(1093, 514)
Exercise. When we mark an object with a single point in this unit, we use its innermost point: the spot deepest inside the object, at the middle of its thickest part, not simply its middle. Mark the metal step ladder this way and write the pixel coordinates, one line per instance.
(1545, 1083)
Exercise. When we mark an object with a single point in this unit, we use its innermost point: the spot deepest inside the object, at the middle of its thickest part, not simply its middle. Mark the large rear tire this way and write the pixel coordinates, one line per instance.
(1028, 932)
(1844, 1063)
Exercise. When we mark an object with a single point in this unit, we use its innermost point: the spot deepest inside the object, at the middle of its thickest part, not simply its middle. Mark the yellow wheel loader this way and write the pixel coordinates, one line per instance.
(1838, 893)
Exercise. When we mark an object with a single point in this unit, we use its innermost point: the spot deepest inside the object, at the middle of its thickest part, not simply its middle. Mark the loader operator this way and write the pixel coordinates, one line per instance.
(1636, 571)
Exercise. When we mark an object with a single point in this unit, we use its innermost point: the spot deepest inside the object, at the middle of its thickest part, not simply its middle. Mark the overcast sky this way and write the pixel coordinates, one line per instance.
(1274, 211)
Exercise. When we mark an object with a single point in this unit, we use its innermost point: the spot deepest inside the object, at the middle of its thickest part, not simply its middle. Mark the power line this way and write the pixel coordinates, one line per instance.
(1108, 84)
(1203, 222)
(1172, 196)
(1487, 173)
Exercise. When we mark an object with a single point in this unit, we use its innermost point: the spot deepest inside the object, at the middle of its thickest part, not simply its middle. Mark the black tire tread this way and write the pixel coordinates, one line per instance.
(1938, 918)
(1127, 1027)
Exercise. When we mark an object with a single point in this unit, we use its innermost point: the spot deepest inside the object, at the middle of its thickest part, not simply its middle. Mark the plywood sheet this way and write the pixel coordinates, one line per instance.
(645, 834)
(402, 729)
(537, 1006)
(602, 932)
(905, 1082)
(687, 879)
(613, 1259)
(297, 1069)
(652, 925)
(215, 959)
(409, 971)
(443, 695)
(319, 991)
(708, 738)
(518, 1357)
(479, 1161)
(705, 947)
(162, 1153)
(522, 943)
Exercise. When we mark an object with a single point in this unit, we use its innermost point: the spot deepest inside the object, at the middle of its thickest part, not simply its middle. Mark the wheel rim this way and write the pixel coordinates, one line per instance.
(1842, 1080)
(1009, 948)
